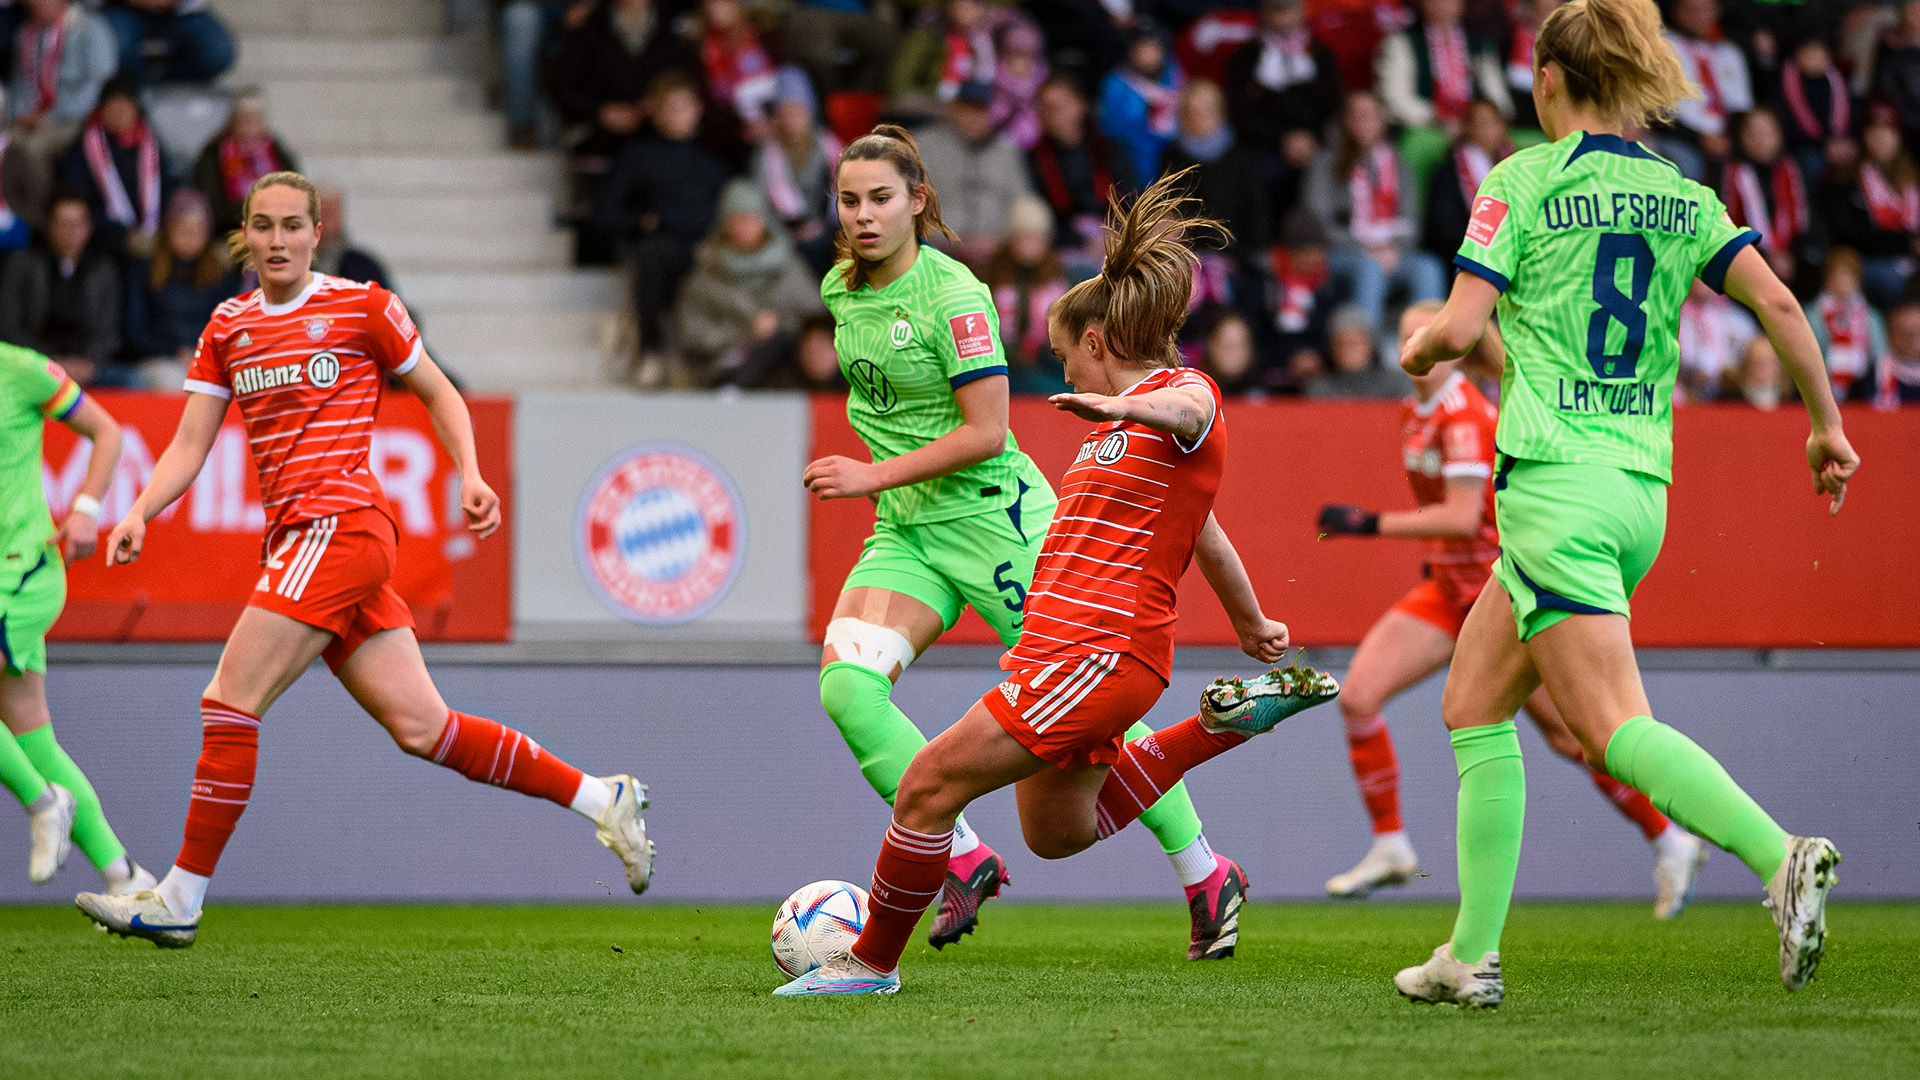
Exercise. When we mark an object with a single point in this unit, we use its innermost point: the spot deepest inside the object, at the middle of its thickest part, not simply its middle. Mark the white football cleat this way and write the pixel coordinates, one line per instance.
(841, 974)
(141, 915)
(1442, 980)
(1797, 896)
(52, 835)
(623, 831)
(1675, 869)
(1390, 861)
(141, 881)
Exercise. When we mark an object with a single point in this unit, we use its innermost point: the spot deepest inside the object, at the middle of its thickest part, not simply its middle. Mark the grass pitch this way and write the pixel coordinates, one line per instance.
(1083, 990)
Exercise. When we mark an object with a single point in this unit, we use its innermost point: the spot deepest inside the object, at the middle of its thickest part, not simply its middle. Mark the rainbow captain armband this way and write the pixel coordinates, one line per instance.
(64, 400)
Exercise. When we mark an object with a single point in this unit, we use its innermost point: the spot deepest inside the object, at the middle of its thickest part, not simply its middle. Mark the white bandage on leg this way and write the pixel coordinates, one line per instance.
(878, 647)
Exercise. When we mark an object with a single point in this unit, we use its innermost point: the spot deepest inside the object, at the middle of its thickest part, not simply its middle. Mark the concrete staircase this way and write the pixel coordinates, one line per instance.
(377, 100)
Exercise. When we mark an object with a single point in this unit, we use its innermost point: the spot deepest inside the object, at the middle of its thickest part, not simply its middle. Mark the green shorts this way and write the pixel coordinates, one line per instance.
(27, 613)
(983, 561)
(1574, 539)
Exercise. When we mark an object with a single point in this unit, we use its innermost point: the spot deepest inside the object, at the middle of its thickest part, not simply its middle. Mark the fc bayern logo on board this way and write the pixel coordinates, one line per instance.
(661, 534)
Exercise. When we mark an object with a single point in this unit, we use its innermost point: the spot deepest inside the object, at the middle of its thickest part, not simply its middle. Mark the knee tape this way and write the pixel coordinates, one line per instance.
(876, 647)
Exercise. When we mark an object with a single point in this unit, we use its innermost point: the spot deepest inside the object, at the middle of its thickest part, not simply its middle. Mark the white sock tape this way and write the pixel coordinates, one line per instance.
(878, 647)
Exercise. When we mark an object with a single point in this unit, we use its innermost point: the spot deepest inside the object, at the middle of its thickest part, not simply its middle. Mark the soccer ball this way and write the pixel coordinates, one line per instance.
(815, 921)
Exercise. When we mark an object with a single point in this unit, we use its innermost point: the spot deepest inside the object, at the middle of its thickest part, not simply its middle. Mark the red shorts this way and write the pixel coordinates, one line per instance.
(333, 573)
(1429, 603)
(1075, 712)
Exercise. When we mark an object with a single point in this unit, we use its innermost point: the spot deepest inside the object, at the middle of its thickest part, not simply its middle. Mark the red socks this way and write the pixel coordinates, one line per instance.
(492, 753)
(1151, 764)
(222, 784)
(1632, 802)
(910, 872)
(1370, 749)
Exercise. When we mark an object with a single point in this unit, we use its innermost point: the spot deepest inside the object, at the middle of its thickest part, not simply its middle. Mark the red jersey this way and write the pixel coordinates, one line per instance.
(1131, 507)
(1447, 437)
(307, 376)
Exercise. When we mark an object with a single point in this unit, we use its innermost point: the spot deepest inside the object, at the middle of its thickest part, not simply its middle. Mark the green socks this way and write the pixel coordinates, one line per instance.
(1690, 787)
(90, 828)
(18, 773)
(883, 740)
(1172, 820)
(1492, 812)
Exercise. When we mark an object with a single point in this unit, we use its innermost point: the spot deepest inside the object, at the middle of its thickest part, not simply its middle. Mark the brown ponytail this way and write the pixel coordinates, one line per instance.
(894, 145)
(237, 251)
(1615, 57)
(1140, 295)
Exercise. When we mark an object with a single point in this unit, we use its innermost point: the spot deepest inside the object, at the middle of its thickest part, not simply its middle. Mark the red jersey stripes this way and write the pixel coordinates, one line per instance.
(1449, 437)
(1131, 508)
(307, 376)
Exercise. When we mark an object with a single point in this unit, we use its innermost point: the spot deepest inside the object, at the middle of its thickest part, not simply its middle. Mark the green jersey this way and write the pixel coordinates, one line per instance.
(904, 350)
(1594, 242)
(32, 388)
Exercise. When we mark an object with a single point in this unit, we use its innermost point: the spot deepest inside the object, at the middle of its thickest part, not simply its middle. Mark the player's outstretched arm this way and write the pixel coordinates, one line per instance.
(1181, 411)
(1454, 519)
(1752, 282)
(1260, 637)
(80, 532)
(454, 426)
(172, 474)
(1456, 330)
(981, 436)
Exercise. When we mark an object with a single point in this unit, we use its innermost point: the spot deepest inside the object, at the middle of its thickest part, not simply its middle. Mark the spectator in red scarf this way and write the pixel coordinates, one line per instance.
(739, 74)
(62, 55)
(1764, 190)
(244, 151)
(1074, 167)
(1701, 135)
(1303, 295)
(1283, 90)
(1872, 204)
(1428, 75)
(951, 46)
(795, 168)
(1451, 188)
(1026, 278)
(1812, 102)
(1363, 194)
(1852, 335)
(116, 164)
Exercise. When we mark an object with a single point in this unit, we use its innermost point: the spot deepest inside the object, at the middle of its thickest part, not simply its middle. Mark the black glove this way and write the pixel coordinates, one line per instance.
(1339, 519)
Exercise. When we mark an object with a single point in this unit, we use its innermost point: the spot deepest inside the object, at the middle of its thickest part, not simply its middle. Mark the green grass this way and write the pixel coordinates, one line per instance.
(1085, 990)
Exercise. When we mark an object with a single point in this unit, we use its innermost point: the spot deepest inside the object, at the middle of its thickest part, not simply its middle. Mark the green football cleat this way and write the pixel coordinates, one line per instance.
(1254, 706)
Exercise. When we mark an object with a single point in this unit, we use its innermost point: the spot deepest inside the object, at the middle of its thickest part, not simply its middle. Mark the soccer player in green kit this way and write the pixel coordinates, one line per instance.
(60, 803)
(961, 511)
(1587, 245)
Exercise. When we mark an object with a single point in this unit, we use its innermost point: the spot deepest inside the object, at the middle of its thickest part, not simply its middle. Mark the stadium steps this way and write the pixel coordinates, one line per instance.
(377, 100)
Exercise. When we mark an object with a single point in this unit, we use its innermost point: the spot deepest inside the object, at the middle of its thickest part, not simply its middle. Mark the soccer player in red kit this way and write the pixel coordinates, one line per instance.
(1136, 508)
(1449, 455)
(305, 358)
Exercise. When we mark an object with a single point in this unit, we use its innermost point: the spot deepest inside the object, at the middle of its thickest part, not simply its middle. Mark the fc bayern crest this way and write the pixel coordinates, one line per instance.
(661, 534)
(316, 329)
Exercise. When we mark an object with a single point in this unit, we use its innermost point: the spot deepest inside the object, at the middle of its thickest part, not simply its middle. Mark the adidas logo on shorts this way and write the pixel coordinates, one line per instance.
(1010, 691)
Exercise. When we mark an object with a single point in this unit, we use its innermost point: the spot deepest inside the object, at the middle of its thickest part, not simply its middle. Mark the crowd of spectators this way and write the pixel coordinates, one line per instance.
(1341, 141)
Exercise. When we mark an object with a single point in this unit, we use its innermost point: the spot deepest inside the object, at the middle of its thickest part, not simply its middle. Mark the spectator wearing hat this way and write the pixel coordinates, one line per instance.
(1140, 101)
(605, 67)
(243, 152)
(1026, 277)
(794, 166)
(63, 55)
(61, 297)
(1075, 168)
(1283, 91)
(1356, 370)
(1428, 74)
(171, 296)
(976, 172)
(189, 42)
(116, 164)
(739, 313)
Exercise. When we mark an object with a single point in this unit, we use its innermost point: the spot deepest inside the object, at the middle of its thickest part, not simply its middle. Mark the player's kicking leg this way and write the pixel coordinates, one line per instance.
(1398, 652)
(1677, 853)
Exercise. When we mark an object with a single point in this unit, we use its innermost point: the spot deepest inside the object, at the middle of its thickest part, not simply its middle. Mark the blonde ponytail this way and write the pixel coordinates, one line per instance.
(1140, 295)
(1616, 58)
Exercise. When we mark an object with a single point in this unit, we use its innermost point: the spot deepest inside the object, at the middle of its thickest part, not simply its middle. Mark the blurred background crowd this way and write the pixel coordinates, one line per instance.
(1340, 140)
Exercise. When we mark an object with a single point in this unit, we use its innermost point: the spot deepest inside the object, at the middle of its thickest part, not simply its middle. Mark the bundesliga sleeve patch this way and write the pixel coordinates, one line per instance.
(971, 337)
(1489, 214)
(397, 315)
